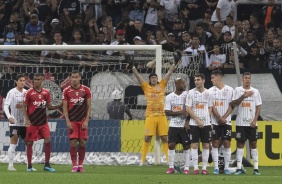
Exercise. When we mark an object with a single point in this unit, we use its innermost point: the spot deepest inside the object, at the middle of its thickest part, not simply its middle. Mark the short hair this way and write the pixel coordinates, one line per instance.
(20, 75)
(230, 16)
(75, 72)
(250, 32)
(217, 72)
(38, 75)
(246, 73)
(153, 74)
(202, 76)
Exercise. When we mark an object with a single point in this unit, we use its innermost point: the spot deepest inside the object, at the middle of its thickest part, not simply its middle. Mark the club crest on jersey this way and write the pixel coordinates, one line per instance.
(76, 93)
(158, 88)
(206, 96)
(224, 93)
(39, 96)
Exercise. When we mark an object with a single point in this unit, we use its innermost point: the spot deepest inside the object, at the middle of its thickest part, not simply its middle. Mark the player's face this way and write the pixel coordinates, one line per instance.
(20, 82)
(246, 80)
(75, 79)
(215, 79)
(180, 85)
(154, 80)
(37, 81)
(199, 82)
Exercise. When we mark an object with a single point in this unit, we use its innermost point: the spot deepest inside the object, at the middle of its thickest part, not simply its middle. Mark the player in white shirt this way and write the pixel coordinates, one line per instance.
(199, 104)
(179, 125)
(14, 101)
(248, 100)
(221, 119)
(223, 9)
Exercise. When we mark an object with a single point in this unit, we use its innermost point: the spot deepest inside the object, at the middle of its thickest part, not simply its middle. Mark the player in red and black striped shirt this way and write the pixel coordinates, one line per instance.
(76, 105)
(36, 100)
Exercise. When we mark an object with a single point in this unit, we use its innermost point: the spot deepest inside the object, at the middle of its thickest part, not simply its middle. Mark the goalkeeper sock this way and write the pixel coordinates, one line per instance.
(81, 155)
(145, 148)
(29, 155)
(73, 155)
(11, 154)
(165, 147)
(47, 153)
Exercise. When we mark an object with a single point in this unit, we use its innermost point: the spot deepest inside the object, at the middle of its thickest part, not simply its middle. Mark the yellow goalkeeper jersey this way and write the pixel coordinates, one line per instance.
(155, 97)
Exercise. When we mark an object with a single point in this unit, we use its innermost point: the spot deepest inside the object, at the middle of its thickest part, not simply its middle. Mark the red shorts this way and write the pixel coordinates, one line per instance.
(77, 132)
(34, 133)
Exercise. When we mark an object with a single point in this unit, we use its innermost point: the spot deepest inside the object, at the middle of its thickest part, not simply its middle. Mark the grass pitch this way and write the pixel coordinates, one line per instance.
(130, 174)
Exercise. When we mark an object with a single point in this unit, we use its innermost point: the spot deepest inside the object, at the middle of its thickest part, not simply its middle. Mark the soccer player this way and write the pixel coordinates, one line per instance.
(221, 119)
(199, 104)
(156, 121)
(36, 100)
(179, 125)
(249, 103)
(14, 102)
(76, 107)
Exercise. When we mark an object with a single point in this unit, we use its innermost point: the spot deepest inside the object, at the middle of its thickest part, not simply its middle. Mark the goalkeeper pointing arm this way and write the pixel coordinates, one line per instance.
(156, 122)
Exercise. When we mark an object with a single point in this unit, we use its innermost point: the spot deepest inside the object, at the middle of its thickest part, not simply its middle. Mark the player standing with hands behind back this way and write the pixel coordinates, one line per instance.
(76, 106)
(249, 103)
(36, 100)
(156, 122)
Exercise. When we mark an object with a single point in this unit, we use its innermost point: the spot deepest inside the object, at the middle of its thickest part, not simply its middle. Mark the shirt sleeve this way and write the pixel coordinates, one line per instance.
(211, 99)
(48, 97)
(26, 97)
(7, 103)
(88, 93)
(258, 98)
(65, 97)
(189, 100)
(235, 94)
(167, 103)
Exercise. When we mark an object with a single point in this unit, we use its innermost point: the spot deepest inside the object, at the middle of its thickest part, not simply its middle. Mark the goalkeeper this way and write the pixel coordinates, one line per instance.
(156, 122)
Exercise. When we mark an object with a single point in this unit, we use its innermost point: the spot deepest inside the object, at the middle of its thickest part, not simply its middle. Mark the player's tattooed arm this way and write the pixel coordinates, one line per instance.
(193, 116)
(238, 101)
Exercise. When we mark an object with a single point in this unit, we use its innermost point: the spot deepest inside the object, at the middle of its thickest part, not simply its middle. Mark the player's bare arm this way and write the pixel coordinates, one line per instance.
(66, 114)
(53, 107)
(88, 108)
(228, 112)
(177, 58)
(27, 121)
(138, 76)
(217, 11)
(6, 110)
(239, 100)
(220, 119)
(175, 113)
(192, 115)
(254, 122)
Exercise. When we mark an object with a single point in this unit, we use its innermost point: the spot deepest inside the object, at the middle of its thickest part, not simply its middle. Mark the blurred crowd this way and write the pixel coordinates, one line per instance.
(196, 27)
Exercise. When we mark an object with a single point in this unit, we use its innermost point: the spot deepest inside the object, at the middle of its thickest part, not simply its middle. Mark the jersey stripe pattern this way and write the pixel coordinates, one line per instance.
(37, 105)
(247, 108)
(221, 100)
(200, 104)
(155, 97)
(175, 103)
(14, 100)
(77, 102)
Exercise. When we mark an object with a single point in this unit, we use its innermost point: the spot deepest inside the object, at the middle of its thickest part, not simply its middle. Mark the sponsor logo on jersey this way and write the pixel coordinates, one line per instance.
(40, 103)
(77, 100)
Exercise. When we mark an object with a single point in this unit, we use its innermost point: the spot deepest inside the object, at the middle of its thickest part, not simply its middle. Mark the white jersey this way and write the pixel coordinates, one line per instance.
(14, 100)
(175, 103)
(226, 7)
(247, 108)
(221, 100)
(200, 104)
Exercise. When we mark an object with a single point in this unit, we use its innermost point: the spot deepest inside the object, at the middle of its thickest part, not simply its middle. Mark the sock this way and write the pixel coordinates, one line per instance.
(215, 157)
(187, 159)
(29, 155)
(254, 153)
(239, 155)
(171, 155)
(194, 153)
(165, 147)
(145, 148)
(47, 153)
(73, 156)
(205, 157)
(227, 156)
(11, 154)
(81, 155)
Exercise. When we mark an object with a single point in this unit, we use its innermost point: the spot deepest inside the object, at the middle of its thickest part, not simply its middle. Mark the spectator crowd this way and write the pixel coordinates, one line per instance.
(194, 27)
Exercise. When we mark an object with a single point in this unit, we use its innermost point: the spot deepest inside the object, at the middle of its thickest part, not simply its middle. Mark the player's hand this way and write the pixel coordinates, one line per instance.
(184, 112)
(222, 120)
(248, 94)
(84, 125)
(253, 124)
(69, 125)
(27, 123)
(11, 120)
(177, 57)
(200, 124)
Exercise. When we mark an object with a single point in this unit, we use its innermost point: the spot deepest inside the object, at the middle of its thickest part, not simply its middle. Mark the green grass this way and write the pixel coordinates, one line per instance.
(130, 174)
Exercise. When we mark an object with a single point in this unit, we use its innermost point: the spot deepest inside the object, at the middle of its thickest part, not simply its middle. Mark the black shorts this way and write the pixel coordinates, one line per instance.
(18, 130)
(222, 132)
(246, 132)
(197, 133)
(178, 135)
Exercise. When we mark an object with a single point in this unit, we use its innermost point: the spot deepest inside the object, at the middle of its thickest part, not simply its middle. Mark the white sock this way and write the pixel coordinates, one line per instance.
(194, 153)
(239, 155)
(227, 156)
(254, 153)
(187, 159)
(215, 157)
(11, 154)
(171, 155)
(205, 157)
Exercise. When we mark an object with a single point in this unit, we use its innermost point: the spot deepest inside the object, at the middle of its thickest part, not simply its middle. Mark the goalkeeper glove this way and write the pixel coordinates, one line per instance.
(177, 57)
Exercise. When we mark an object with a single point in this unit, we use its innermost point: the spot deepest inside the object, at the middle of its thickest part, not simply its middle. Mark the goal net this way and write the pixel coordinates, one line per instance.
(110, 141)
